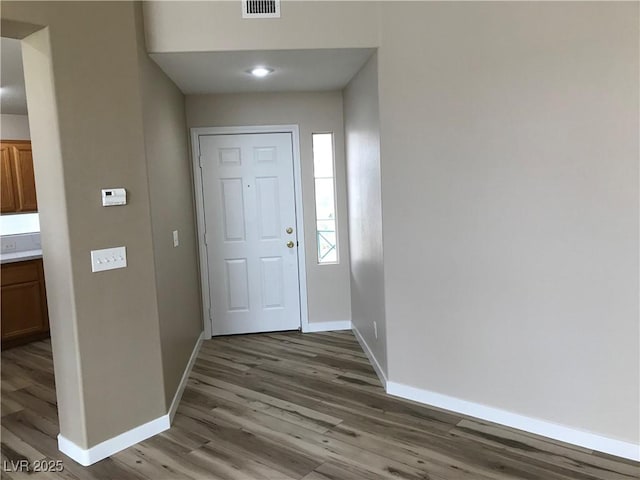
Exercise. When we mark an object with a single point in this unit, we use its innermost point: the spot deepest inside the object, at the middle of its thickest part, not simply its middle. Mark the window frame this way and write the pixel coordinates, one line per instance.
(335, 198)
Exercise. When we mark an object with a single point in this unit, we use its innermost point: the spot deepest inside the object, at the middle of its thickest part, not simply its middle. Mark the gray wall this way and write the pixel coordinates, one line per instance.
(510, 206)
(509, 152)
(362, 147)
(54, 228)
(109, 334)
(172, 208)
(509, 148)
(14, 127)
(99, 115)
(178, 26)
(328, 288)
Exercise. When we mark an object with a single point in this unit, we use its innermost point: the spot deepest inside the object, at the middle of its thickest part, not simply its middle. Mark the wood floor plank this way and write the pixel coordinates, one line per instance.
(288, 411)
(108, 468)
(379, 406)
(14, 448)
(440, 464)
(230, 465)
(333, 470)
(145, 467)
(317, 444)
(249, 444)
(290, 406)
(315, 476)
(318, 347)
(578, 461)
(9, 406)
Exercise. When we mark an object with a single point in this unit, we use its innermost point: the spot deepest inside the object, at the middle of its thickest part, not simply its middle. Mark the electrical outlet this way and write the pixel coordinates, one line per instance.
(108, 259)
(375, 329)
(8, 246)
(176, 240)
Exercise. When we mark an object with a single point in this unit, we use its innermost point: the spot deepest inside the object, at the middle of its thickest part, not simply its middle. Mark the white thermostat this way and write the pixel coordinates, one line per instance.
(114, 196)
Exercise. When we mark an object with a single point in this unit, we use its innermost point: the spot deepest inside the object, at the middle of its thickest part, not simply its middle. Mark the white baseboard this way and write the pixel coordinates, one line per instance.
(374, 361)
(531, 425)
(185, 378)
(89, 456)
(327, 326)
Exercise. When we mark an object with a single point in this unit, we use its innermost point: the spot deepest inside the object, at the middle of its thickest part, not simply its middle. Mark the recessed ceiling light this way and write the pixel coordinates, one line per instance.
(260, 71)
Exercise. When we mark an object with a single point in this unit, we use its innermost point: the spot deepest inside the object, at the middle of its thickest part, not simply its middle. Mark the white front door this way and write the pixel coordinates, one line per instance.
(251, 232)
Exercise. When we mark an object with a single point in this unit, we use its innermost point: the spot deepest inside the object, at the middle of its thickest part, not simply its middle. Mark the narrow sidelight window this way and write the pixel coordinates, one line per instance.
(323, 173)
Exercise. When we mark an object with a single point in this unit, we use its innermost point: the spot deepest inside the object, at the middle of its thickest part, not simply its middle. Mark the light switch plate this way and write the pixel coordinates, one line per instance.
(108, 259)
(176, 240)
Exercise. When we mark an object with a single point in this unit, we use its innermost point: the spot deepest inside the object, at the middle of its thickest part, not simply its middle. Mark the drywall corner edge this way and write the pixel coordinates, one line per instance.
(185, 377)
(89, 456)
(374, 361)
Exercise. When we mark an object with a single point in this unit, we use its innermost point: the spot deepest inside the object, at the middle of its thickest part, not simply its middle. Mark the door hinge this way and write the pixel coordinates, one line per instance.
(200, 160)
(206, 239)
(210, 317)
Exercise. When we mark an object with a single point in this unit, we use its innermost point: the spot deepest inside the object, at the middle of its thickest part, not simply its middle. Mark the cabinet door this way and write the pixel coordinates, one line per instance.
(7, 182)
(25, 178)
(24, 303)
(22, 310)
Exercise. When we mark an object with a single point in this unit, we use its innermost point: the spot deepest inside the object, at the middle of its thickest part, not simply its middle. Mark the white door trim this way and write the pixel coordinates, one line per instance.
(199, 194)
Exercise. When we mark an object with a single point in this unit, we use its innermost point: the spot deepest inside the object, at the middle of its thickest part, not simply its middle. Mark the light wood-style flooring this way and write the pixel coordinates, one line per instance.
(290, 406)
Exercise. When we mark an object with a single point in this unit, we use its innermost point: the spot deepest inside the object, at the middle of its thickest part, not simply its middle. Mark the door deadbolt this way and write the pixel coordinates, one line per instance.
(290, 244)
(289, 230)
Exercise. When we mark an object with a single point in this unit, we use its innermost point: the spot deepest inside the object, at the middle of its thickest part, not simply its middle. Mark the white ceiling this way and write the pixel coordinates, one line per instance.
(216, 72)
(294, 70)
(12, 99)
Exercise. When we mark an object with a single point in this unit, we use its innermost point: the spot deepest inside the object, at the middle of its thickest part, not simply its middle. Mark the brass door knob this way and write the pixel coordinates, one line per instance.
(290, 244)
(289, 230)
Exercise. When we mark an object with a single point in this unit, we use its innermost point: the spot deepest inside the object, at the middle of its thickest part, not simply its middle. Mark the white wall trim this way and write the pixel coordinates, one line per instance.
(521, 422)
(185, 378)
(199, 193)
(89, 456)
(326, 326)
(372, 358)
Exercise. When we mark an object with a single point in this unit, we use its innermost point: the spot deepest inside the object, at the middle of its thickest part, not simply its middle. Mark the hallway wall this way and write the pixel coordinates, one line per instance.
(103, 115)
(171, 203)
(510, 203)
(105, 332)
(328, 288)
(362, 140)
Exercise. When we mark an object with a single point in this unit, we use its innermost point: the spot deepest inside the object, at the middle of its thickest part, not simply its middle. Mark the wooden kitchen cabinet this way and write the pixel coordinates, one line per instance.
(7, 190)
(17, 177)
(23, 301)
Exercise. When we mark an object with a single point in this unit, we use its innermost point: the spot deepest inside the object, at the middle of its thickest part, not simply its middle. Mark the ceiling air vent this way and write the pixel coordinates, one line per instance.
(260, 8)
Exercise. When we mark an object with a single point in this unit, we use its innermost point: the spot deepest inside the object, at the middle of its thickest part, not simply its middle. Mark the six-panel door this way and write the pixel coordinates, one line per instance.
(249, 203)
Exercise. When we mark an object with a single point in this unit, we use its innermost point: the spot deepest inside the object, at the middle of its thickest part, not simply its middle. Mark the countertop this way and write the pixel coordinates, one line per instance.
(20, 256)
